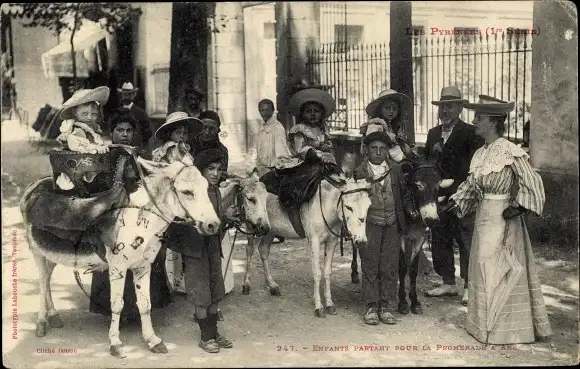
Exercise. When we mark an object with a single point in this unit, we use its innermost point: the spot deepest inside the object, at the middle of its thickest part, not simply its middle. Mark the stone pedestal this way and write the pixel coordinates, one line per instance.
(229, 78)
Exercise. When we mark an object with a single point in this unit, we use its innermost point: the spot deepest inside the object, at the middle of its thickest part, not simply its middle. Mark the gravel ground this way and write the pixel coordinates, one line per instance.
(266, 330)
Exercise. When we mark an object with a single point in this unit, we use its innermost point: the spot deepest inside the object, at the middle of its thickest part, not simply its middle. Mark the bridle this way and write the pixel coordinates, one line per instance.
(189, 219)
(344, 231)
(407, 177)
(243, 219)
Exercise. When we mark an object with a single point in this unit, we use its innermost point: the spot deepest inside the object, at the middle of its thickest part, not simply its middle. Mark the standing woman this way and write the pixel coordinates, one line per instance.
(505, 306)
(386, 112)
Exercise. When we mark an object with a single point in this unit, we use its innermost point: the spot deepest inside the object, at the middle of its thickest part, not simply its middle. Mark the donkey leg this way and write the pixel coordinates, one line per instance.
(264, 249)
(317, 275)
(53, 317)
(354, 267)
(141, 280)
(117, 280)
(403, 307)
(247, 275)
(43, 286)
(330, 247)
(416, 307)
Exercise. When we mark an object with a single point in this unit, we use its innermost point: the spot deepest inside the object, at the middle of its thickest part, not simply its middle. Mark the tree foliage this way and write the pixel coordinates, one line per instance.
(59, 17)
(68, 16)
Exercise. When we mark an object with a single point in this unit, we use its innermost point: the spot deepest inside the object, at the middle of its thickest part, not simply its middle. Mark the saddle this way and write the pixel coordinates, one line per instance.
(78, 167)
(68, 217)
(296, 186)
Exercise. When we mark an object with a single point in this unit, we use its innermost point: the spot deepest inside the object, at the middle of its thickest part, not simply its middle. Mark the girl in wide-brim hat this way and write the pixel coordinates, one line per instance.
(309, 143)
(174, 133)
(386, 112)
(311, 107)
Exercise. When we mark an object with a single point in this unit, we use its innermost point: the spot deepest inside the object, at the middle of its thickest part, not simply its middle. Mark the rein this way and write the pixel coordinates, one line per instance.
(152, 199)
(344, 232)
(243, 220)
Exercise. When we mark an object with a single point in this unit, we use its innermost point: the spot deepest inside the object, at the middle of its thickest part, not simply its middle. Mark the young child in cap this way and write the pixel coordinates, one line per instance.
(202, 256)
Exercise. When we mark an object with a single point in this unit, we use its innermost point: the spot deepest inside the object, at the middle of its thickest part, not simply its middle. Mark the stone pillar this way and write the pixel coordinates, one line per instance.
(229, 75)
(554, 115)
(297, 28)
(401, 50)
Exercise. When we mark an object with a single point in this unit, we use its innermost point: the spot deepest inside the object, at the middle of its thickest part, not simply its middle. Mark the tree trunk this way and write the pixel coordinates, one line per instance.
(190, 36)
(72, 48)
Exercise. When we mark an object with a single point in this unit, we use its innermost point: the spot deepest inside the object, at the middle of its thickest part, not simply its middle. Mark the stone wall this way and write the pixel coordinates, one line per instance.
(554, 118)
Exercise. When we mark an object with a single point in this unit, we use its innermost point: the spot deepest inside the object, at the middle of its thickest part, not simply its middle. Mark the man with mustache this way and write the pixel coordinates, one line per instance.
(452, 145)
(143, 131)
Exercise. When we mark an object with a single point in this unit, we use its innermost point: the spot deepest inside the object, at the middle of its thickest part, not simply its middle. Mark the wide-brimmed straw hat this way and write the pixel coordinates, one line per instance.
(312, 95)
(178, 118)
(99, 95)
(385, 95)
(489, 105)
(450, 94)
(127, 87)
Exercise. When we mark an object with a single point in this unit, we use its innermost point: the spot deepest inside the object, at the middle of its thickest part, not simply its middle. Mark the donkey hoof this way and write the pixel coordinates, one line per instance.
(117, 351)
(159, 348)
(355, 278)
(275, 291)
(417, 309)
(245, 290)
(403, 308)
(330, 310)
(320, 313)
(40, 329)
(55, 321)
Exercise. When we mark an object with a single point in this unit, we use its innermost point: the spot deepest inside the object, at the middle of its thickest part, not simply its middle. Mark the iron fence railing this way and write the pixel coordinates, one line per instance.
(493, 65)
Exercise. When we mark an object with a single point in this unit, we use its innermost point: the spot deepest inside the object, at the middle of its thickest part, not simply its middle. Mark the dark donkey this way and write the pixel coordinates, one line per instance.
(424, 179)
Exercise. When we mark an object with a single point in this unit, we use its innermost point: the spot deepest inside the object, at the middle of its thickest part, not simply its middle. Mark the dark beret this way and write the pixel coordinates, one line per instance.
(122, 115)
(204, 158)
(378, 136)
(210, 114)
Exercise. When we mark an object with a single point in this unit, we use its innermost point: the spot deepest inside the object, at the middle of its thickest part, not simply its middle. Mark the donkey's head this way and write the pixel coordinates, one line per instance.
(355, 202)
(424, 179)
(178, 190)
(251, 197)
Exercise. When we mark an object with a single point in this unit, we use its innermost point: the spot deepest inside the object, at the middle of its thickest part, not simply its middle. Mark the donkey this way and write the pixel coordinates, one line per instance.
(424, 179)
(127, 237)
(337, 203)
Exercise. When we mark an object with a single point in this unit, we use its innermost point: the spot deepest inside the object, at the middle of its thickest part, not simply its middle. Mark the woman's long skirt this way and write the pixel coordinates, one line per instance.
(524, 314)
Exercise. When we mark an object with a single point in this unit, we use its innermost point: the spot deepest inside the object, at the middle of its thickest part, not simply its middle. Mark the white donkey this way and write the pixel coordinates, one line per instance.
(338, 203)
(125, 238)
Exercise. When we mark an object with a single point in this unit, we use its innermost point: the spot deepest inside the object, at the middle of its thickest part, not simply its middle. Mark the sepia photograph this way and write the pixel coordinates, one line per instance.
(290, 184)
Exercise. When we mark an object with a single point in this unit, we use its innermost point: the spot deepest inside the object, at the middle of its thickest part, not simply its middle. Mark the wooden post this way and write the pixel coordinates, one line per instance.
(401, 53)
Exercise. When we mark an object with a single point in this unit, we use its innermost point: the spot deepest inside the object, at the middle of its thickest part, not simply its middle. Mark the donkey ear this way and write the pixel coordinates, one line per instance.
(446, 183)
(151, 166)
(406, 167)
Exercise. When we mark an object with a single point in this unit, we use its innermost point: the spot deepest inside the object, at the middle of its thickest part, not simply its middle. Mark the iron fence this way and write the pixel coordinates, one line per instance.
(493, 65)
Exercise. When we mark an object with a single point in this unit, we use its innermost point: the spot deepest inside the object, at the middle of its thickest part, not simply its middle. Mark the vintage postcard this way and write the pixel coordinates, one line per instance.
(290, 184)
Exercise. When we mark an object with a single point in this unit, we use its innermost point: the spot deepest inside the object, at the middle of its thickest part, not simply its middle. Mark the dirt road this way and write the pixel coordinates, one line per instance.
(266, 330)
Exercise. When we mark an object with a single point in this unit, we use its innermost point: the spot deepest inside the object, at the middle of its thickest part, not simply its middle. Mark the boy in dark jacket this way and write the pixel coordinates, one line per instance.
(202, 256)
(387, 221)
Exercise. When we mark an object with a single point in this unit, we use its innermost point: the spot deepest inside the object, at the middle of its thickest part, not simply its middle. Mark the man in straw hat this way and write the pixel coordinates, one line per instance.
(452, 145)
(143, 131)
